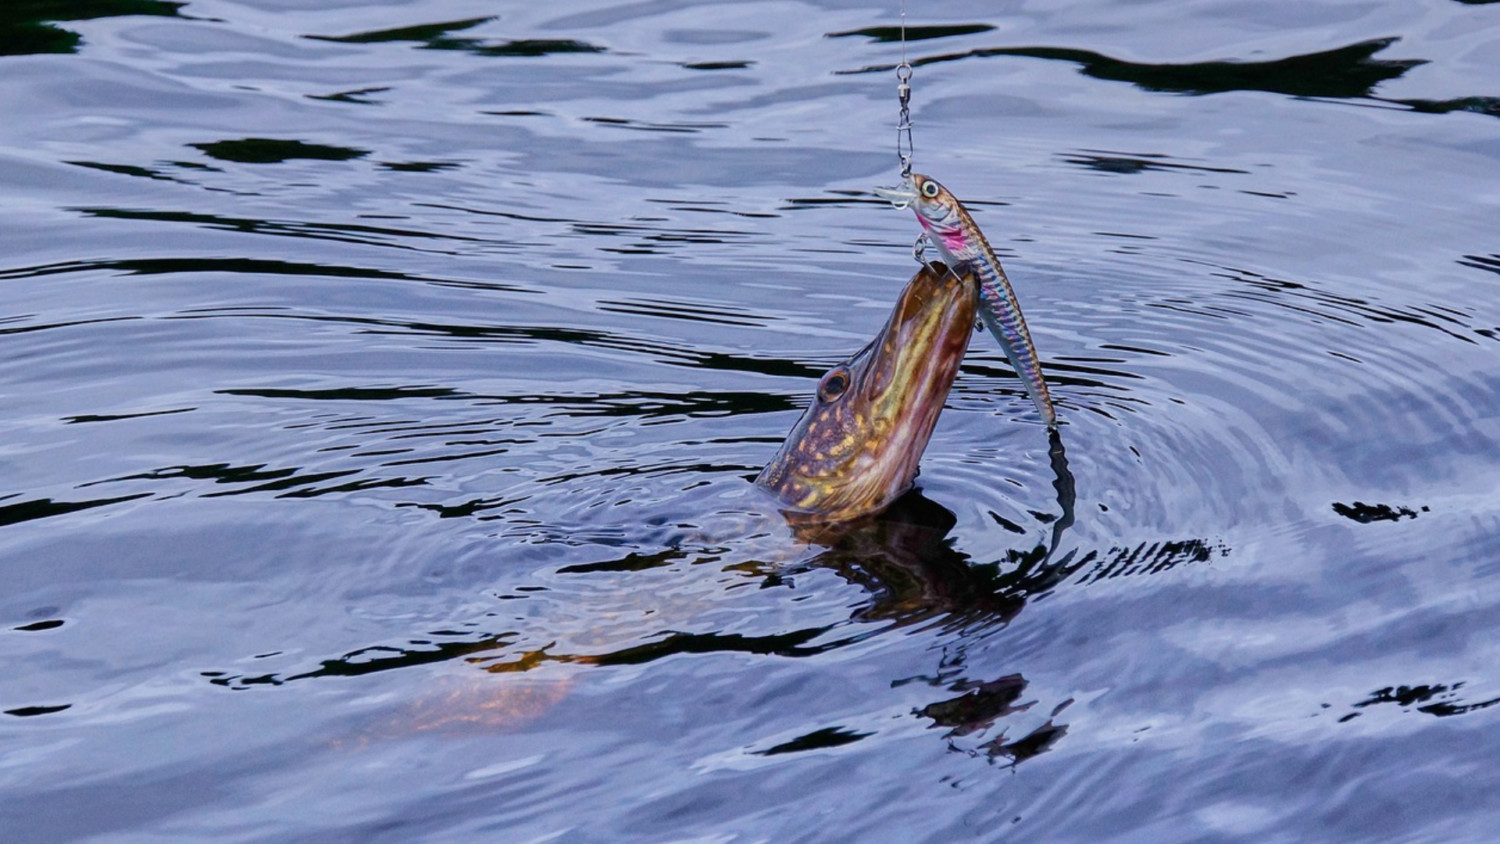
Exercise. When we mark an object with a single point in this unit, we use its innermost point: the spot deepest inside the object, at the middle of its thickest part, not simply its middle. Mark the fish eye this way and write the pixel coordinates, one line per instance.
(833, 385)
(930, 189)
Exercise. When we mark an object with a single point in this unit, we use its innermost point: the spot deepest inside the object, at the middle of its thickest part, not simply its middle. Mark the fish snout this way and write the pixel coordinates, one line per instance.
(901, 195)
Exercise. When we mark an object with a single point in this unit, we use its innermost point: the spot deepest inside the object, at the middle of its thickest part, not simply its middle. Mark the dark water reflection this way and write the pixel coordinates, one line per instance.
(1344, 72)
(32, 26)
(436, 37)
(383, 382)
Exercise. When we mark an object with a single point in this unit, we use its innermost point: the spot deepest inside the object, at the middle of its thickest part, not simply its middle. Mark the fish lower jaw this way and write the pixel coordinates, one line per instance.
(895, 466)
(873, 481)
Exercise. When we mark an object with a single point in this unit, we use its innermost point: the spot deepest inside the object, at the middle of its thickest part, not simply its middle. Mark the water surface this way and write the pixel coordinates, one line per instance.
(382, 382)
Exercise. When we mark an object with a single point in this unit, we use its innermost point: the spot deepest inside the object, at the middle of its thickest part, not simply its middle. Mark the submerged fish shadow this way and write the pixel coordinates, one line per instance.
(904, 558)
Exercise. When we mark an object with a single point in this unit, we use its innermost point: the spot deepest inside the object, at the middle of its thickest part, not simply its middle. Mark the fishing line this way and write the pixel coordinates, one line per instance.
(904, 148)
(904, 145)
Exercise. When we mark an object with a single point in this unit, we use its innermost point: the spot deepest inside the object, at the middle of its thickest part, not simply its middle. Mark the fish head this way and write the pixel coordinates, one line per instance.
(939, 212)
(857, 446)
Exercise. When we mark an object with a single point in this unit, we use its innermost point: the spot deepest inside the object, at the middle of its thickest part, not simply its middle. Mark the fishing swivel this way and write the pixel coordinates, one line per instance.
(904, 147)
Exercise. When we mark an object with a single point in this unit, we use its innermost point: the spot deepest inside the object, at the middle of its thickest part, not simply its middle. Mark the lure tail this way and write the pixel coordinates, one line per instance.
(1001, 314)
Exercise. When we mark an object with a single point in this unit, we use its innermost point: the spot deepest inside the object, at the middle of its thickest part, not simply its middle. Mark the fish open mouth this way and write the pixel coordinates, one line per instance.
(913, 368)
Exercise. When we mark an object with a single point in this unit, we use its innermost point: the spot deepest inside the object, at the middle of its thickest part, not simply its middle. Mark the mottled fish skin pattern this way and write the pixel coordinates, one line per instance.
(953, 231)
(857, 446)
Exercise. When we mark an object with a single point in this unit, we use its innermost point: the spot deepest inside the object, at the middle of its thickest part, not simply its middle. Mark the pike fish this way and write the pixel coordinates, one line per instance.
(856, 447)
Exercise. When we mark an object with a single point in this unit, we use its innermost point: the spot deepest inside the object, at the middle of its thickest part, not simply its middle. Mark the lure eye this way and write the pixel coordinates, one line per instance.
(929, 189)
(834, 384)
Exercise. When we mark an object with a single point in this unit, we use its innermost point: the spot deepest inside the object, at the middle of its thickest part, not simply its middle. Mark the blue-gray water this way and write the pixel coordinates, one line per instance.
(380, 383)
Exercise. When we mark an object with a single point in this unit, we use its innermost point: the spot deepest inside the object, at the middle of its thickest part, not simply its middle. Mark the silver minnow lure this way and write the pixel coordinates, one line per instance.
(951, 229)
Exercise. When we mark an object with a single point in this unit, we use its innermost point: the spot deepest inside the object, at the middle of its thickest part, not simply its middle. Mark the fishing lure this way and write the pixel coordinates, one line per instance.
(949, 227)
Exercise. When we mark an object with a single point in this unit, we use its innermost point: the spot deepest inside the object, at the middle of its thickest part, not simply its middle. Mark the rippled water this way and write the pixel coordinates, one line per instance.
(382, 382)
